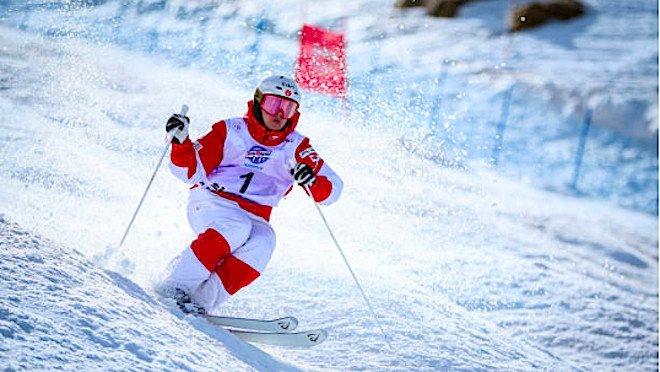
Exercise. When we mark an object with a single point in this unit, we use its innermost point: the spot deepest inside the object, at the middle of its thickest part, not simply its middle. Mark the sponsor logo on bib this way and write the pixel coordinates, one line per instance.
(258, 155)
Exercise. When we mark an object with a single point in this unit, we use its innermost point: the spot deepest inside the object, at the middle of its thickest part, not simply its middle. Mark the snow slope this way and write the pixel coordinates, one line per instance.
(467, 270)
(58, 311)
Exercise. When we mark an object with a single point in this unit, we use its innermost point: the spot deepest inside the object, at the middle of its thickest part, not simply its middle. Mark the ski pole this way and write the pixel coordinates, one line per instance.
(184, 111)
(350, 269)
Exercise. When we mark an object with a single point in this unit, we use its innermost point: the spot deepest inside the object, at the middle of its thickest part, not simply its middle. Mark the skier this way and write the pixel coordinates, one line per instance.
(240, 170)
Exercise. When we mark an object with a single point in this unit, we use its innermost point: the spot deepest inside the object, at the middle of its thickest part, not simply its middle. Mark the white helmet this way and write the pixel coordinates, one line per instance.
(277, 85)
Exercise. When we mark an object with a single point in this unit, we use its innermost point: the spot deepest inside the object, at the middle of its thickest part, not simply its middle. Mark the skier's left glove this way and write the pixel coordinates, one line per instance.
(303, 174)
(177, 128)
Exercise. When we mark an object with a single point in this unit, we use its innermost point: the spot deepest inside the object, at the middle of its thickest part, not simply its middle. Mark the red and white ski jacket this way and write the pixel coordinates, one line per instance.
(230, 162)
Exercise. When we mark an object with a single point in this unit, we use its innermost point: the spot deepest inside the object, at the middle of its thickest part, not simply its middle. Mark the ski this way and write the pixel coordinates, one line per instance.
(281, 325)
(271, 332)
(296, 339)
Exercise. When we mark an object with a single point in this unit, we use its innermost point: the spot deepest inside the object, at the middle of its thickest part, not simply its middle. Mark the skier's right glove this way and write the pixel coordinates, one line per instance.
(177, 128)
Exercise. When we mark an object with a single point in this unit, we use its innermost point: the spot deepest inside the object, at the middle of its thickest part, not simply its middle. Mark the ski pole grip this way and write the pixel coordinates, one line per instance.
(184, 110)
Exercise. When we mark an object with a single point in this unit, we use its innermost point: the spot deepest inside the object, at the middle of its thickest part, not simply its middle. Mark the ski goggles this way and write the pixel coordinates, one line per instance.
(274, 104)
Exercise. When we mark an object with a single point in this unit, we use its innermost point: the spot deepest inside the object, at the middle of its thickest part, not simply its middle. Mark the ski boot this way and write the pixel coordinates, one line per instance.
(186, 305)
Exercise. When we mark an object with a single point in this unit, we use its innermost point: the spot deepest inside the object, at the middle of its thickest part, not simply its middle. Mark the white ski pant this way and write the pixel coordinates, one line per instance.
(232, 249)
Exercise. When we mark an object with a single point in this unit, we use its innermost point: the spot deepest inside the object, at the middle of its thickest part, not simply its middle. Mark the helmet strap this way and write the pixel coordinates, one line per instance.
(256, 108)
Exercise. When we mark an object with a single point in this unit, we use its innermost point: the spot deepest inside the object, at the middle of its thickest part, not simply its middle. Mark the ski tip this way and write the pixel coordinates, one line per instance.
(316, 337)
(287, 324)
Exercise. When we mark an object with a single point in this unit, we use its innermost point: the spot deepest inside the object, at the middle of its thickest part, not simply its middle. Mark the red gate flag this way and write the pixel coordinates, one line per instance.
(322, 62)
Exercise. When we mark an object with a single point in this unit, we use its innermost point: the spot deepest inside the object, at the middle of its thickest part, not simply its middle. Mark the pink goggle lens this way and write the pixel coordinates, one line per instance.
(274, 104)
